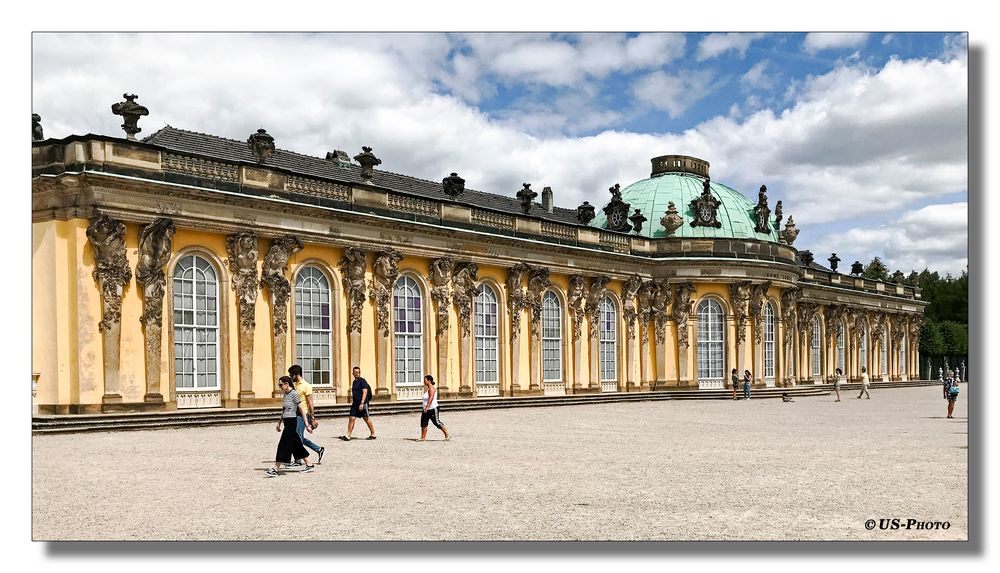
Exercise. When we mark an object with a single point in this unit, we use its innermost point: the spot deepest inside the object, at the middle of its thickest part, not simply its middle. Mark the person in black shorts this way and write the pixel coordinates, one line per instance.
(951, 394)
(430, 411)
(361, 395)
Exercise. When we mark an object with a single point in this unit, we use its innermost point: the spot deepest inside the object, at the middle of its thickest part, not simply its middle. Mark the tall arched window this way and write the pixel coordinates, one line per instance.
(816, 368)
(408, 322)
(903, 367)
(883, 356)
(711, 347)
(196, 325)
(313, 326)
(769, 341)
(608, 338)
(862, 348)
(551, 337)
(487, 363)
(840, 348)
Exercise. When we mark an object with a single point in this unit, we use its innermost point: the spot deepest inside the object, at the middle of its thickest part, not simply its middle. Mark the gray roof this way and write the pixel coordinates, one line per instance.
(184, 141)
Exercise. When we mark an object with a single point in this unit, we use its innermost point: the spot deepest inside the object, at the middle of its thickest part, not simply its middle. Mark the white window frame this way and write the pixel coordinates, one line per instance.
(487, 335)
(311, 287)
(552, 345)
(408, 369)
(883, 355)
(768, 341)
(903, 368)
(817, 367)
(841, 355)
(200, 366)
(711, 338)
(862, 348)
(608, 320)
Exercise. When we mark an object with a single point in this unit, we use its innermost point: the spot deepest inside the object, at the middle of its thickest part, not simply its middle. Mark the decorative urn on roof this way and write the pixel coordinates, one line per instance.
(453, 185)
(637, 219)
(788, 235)
(857, 268)
(806, 257)
(526, 196)
(368, 161)
(834, 261)
(261, 145)
(36, 127)
(585, 213)
(130, 112)
(671, 220)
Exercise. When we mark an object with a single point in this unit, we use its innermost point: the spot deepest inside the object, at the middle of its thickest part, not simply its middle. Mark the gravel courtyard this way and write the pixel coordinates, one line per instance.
(671, 470)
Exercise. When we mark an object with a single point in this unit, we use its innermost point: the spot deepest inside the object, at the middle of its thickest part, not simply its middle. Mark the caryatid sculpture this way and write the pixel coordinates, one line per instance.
(659, 304)
(758, 298)
(111, 271)
(352, 268)
(739, 296)
(516, 298)
(630, 290)
(682, 311)
(385, 271)
(463, 292)
(598, 288)
(155, 246)
(272, 276)
(441, 269)
(577, 302)
(242, 249)
(538, 281)
(647, 290)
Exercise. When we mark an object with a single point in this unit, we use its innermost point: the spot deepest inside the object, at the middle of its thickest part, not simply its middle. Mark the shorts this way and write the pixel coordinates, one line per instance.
(952, 398)
(431, 416)
(359, 410)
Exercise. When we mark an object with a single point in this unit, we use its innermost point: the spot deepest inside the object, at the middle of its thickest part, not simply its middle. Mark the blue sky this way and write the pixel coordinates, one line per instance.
(863, 136)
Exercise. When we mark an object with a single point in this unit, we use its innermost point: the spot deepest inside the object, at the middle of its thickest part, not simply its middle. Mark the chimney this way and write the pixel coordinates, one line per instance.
(547, 199)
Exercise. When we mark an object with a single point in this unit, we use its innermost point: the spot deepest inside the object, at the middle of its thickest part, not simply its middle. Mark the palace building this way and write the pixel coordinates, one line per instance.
(186, 270)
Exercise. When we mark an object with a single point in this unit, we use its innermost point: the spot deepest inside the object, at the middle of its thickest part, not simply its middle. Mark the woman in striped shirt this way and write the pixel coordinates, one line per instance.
(289, 445)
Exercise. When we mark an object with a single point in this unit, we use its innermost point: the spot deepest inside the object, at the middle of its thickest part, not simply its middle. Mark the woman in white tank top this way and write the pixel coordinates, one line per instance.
(430, 411)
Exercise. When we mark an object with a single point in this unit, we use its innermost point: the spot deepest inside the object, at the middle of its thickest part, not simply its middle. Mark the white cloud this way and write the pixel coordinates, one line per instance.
(672, 93)
(714, 45)
(818, 41)
(757, 77)
(886, 39)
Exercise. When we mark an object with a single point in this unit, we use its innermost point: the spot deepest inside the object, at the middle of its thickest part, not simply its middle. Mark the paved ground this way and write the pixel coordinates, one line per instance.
(671, 470)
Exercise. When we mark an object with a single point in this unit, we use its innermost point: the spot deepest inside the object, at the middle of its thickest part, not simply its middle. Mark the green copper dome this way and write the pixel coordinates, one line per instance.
(651, 196)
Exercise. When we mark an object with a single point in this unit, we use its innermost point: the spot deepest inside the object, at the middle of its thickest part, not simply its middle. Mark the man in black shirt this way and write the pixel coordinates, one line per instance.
(361, 395)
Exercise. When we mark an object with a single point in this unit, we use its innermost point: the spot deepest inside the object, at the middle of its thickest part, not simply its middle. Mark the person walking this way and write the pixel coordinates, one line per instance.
(864, 384)
(305, 395)
(361, 395)
(430, 412)
(289, 445)
(736, 381)
(951, 391)
(836, 383)
(746, 384)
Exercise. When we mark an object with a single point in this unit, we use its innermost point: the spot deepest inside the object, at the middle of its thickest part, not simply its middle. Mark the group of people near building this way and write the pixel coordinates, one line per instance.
(298, 416)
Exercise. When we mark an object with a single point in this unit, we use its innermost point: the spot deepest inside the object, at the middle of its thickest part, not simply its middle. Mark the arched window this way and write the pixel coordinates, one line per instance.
(711, 346)
(551, 337)
(196, 324)
(608, 337)
(313, 326)
(862, 348)
(815, 347)
(769, 341)
(883, 368)
(903, 367)
(408, 321)
(840, 347)
(487, 363)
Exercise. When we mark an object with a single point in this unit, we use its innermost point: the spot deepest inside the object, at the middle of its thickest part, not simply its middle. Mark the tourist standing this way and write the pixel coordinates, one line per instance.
(951, 391)
(361, 395)
(864, 384)
(836, 383)
(746, 384)
(289, 445)
(736, 381)
(430, 412)
(305, 395)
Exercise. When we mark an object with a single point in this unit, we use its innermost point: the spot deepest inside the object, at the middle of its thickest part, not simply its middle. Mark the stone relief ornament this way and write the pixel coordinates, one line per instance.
(130, 112)
(897, 327)
(352, 268)
(272, 276)
(516, 297)
(877, 320)
(758, 298)
(739, 296)
(538, 281)
(630, 290)
(762, 213)
(107, 237)
(453, 185)
(835, 314)
(441, 269)
(585, 213)
(385, 271)
(777, 215)
(789, 299)
(526, 196)
(616, 211)
(705, 208)
(36, 128)
(647, 292)
(637, 219)
(671, 220)
(155, 246)
(658, 308)
(367, 160)
(463, 292)
(682, 311)
(807, 311)
(598, 288)
(242, 250)
(577, 301)
(790, 233)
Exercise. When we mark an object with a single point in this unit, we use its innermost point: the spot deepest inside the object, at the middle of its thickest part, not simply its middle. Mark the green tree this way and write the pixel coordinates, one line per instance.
(955, 337)
(931, 339)
(876, 270)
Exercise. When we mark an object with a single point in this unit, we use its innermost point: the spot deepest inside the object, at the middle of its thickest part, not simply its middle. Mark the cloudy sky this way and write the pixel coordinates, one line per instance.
(863, 136)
